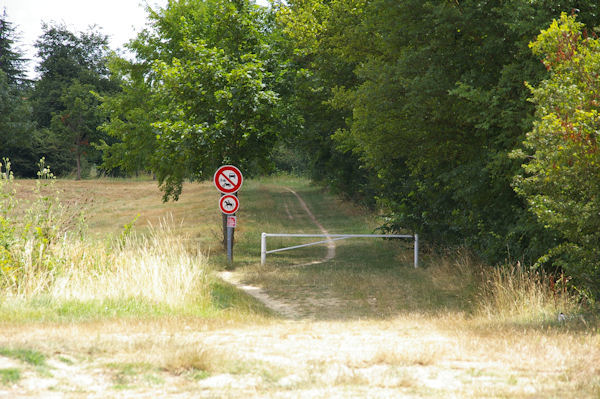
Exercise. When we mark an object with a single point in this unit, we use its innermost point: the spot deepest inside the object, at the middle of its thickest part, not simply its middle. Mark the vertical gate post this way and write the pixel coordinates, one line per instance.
(263, 249)
(416, 251)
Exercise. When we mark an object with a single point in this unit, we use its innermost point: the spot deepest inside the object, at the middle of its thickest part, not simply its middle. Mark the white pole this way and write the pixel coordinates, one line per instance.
(263, 249)
(416, 251)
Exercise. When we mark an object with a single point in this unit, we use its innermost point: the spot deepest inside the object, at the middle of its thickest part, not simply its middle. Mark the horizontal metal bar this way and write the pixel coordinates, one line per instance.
(264, 252)
(305, 245)
(339, 235)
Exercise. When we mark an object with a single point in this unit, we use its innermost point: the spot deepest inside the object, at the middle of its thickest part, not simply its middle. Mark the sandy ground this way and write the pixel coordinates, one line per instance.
(406, 357)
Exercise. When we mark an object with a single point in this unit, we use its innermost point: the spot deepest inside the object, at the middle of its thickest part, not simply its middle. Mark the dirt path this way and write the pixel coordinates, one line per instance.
(281, 307)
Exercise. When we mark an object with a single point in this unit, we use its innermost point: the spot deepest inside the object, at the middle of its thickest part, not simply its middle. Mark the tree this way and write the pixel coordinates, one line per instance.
(68, 59)
(561, 179)
(12, 62)
(130, 141)
(436, 105)
(317, 68)
(77, 124)
(208, 67)
(17, 135)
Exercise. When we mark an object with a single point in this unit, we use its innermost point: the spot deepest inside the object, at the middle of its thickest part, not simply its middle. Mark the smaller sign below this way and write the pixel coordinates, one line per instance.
(231, 221)
(229, 204)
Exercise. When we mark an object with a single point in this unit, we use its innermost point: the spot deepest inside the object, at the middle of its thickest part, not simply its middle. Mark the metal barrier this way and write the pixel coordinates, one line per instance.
(330, 237)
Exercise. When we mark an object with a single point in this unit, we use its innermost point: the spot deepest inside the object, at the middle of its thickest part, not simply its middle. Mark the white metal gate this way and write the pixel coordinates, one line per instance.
(329, 238)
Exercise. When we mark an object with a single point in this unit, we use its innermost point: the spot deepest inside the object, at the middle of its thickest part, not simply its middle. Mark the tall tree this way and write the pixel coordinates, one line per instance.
(209, 67)
(67, 59)
(17, 135)
(78, 123)
(130, 141)
(12, 62)
(309, 28)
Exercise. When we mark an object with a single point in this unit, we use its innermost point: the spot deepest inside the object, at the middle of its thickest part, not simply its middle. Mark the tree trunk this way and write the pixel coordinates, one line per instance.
(78, 163)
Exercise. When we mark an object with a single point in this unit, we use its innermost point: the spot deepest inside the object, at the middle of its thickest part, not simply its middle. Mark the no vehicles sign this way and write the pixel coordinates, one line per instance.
(228, 179)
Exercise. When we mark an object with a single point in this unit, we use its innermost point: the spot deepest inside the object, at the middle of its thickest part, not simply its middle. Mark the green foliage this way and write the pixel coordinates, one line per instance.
(17, 136)
(72, 65)
(207, 69)
(312, 30)
(431, 101)
(11, 59)
(561, 179)
(76, 125)
(130, 139)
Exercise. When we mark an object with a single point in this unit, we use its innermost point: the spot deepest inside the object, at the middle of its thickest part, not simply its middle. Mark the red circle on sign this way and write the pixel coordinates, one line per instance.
(228, 179)
(229, 204)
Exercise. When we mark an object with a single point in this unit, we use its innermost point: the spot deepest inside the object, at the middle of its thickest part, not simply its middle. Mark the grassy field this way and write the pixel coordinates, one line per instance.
(135, 308)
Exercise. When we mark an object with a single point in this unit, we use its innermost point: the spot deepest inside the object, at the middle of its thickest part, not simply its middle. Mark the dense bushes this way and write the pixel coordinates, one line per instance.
(561, 179)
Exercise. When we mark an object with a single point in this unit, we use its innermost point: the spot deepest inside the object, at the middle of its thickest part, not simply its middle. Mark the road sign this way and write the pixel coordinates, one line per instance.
(231, 221)
(229, 204)
(228, 179)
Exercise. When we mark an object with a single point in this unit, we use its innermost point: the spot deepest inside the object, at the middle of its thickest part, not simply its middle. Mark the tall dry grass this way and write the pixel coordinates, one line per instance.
(157, 268)
(517, 294)
(505, 294)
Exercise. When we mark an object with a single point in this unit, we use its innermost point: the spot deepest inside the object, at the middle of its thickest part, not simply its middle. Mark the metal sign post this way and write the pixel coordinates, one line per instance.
(231, 223)
(228, 180)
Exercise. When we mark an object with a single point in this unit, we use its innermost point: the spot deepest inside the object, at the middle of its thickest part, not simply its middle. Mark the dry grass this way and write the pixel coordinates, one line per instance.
(513, 293)
(151, 271)
(372, 325)
(156, 267)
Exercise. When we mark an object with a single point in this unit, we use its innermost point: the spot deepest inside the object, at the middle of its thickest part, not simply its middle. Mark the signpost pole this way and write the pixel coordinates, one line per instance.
(229, 244)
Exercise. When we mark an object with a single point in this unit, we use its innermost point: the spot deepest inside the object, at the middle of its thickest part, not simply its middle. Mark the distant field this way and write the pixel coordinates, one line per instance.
(362, 324)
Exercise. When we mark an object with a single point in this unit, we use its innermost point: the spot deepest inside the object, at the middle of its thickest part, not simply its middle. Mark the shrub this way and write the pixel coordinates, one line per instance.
(561, 179)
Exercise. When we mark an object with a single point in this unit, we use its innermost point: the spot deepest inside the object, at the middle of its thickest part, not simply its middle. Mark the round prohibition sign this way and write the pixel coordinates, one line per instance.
(229, 204)
(228, 179)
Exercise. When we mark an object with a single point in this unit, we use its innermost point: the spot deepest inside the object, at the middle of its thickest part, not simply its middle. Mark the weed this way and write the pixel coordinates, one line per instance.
(9, 376)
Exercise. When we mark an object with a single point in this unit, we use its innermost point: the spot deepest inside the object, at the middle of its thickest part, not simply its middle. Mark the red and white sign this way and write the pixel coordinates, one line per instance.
(231, 221)
(228, 179)
(229, 204)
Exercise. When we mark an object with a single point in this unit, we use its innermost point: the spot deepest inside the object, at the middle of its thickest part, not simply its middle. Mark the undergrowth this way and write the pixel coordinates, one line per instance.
(509, 293)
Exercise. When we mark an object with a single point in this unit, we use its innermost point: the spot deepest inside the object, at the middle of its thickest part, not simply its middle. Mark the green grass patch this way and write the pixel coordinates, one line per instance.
(28, 356)
(224, 298)
(10, 376)
(227, 297)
